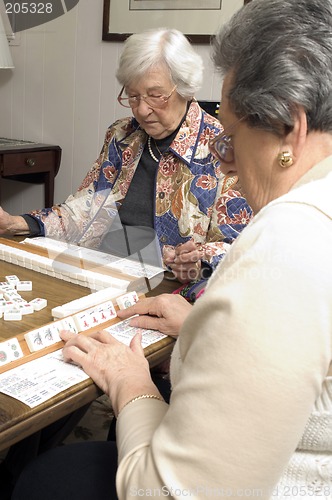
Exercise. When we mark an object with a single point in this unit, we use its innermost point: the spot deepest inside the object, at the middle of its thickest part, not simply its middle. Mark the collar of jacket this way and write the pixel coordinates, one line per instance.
(187, 135)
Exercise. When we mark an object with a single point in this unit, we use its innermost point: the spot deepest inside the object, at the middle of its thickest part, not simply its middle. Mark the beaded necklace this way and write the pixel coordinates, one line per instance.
(153, 156)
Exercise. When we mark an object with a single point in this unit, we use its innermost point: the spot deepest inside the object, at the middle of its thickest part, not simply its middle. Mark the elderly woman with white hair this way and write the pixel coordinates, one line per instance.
(156, 167)
(250, 413)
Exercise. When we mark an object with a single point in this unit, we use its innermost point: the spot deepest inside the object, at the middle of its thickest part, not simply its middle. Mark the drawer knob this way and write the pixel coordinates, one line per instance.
(30, 162)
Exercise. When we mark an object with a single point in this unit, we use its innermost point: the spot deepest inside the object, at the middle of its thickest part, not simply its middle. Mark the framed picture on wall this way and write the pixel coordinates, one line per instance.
(198, 19)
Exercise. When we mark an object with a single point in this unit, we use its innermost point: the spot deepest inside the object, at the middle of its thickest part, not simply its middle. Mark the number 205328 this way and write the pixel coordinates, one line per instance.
(29, 8)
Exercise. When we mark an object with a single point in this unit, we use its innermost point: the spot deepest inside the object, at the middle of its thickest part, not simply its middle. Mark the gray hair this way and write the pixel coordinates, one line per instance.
(279, 53)
(163, 46)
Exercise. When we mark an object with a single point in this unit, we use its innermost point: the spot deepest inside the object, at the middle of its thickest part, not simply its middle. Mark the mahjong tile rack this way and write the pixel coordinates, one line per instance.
(84, 315)
(36, 338)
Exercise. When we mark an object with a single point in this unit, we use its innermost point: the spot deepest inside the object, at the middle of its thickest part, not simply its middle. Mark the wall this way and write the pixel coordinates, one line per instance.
(63, 91)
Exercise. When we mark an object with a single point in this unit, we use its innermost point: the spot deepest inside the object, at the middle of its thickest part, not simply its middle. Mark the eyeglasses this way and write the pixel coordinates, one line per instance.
(154, 101)
(221, 146)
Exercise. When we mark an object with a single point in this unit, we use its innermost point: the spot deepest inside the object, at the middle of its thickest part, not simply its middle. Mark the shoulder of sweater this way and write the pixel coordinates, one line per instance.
(311, 191)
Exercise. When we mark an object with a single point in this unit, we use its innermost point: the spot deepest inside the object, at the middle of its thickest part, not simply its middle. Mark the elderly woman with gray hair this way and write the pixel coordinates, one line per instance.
(251, 408)
(155, 167)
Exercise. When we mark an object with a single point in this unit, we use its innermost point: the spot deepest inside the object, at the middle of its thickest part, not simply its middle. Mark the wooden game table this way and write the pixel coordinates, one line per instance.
(17, 420)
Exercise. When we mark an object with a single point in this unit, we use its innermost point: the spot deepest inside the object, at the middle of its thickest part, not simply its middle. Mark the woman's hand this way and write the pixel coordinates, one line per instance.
(165, 313)
(184, 260)
(12, 224)
(120, 371)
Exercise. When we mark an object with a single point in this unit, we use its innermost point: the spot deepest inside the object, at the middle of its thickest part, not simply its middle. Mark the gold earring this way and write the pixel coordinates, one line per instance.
(285, 159)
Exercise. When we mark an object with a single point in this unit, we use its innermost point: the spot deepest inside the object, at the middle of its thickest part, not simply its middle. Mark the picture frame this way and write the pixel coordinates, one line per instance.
(121, 18)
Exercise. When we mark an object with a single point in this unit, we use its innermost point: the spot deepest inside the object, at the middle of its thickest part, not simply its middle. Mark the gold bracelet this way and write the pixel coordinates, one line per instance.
(142, 396)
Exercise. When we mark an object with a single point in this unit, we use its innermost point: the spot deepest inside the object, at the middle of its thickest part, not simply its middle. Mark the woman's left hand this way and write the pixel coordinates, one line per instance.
(184, 260)
(120, 371)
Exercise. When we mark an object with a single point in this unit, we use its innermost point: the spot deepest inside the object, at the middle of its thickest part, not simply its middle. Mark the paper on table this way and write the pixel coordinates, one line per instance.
(124, 333)
(37, 381)
(41, 379)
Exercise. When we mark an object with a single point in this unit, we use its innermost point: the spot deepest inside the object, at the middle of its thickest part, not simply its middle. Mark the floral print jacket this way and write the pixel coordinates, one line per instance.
(192, 197)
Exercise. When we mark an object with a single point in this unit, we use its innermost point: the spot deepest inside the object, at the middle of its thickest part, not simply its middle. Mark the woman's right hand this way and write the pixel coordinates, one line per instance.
(165, 313)
(12, 224)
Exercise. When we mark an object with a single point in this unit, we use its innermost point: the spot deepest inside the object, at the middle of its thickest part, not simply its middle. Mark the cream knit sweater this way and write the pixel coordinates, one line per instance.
(309, 472)
(251, 406)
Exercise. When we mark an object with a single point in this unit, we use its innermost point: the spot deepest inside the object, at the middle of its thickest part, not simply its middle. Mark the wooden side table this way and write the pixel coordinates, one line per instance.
(30, 162)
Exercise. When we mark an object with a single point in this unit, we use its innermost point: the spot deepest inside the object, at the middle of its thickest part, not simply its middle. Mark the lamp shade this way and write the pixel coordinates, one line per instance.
(6, 60)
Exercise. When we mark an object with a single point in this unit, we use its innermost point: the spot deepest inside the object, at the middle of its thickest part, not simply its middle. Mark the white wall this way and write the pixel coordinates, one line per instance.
(63, 91)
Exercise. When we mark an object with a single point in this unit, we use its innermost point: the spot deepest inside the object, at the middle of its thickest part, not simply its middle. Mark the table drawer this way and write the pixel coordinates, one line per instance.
(27, 162)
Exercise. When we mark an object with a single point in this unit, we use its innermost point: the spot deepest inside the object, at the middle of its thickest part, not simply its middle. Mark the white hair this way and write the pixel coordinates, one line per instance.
(162, 47)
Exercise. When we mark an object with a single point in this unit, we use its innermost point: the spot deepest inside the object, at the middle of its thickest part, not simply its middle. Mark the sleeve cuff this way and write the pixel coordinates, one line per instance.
(36, 228)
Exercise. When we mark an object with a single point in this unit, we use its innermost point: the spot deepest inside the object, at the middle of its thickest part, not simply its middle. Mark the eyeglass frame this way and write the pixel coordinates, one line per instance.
(163, 98)
(225, 139)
